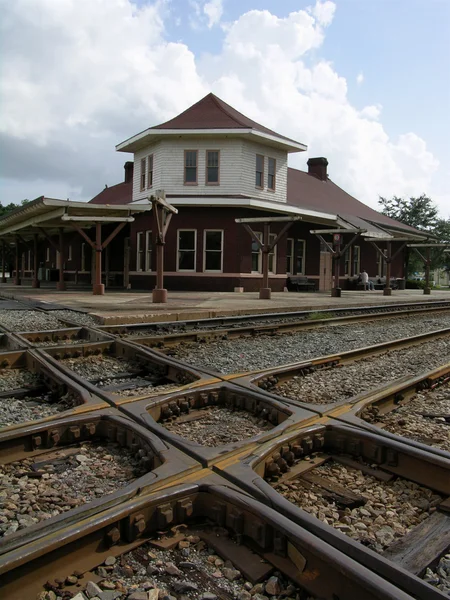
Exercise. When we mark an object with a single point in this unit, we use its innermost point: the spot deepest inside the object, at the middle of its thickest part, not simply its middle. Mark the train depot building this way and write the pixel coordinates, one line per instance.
(244, 219)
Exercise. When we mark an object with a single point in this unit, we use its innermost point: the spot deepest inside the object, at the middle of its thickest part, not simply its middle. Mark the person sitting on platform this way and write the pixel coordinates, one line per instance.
(368, 284)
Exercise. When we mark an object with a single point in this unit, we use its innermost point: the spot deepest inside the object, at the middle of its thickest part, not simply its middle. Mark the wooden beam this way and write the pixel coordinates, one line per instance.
(83, 234)
(113, 234)
(254, 236)
(268, 219)
(325, 231)
(49, 239)
(94, 219)
(33, 221)
(280, 235)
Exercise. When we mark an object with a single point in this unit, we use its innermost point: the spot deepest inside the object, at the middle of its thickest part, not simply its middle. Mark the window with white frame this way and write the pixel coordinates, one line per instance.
(356, 262)
(213, 250)
(381, 265)
(212, 167)
(140, 254)
(83, 256)
(259, 171)
(143, 173)
(347, 262)
(190, 167)
(150, 171)
(186, 249)
(148, 250)
(271, 168)
(300, 257)
(47, 254)
(69, 253)
(290, 256)
(256, 254)
(272, 254)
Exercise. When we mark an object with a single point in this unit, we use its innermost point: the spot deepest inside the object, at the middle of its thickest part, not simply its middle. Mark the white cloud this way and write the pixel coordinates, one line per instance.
(213, 10)
(360, 78)
(84, 75)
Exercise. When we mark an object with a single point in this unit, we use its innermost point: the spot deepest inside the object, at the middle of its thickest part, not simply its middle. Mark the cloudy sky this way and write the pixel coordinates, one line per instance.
(363, 82)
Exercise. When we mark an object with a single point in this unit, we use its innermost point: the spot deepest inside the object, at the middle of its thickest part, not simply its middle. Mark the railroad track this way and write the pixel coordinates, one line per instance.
(189, 482)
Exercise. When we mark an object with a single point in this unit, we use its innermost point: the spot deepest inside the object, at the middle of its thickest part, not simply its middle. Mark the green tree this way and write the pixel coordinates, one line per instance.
(4, 210)
(422, 214)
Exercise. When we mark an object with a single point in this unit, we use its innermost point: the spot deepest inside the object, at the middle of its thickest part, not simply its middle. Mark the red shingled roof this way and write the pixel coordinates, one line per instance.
(213, 113)
(116, 194)
(307, 191)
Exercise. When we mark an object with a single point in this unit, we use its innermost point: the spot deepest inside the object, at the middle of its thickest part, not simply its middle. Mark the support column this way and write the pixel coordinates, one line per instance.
(61, 286)
(35, 283)
(427, 289)
(3, 261)
(98, 287)
(388, 290)
(126, 264)
(17, 280)
(336, 291)
(265, 292)
(159, 294)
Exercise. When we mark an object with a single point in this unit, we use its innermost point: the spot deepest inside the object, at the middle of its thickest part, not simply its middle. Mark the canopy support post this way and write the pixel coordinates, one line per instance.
(35, 283)
(17, 280)
(3, 261)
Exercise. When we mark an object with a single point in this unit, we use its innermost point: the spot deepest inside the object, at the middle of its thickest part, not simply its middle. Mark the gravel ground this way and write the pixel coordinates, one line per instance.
(190, 571)
(440, 576)
(408, 420)
(391, 509)
(100, 367)
(14, 379)
(93, 471)
(331, 385)
(29, 320)
(263, 352)
(218, 426)
(60, 342)
(76, 317)
(14, 410)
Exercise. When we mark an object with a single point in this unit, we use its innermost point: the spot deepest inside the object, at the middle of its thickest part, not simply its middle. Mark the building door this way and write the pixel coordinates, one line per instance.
(326, 270)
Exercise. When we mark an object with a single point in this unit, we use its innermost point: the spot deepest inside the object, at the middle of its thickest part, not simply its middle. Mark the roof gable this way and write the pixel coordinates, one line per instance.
(307, 191)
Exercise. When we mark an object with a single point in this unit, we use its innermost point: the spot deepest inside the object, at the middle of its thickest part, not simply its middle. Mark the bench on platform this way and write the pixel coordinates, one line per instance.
(300, 283)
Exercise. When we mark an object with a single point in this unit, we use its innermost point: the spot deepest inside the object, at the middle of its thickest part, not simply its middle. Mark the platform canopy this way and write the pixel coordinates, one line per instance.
(53, 215)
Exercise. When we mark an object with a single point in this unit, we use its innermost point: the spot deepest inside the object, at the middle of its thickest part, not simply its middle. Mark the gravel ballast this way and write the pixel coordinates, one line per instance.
(30, 320)
(79, 318)
(264, 351)
(217, 426)
(14, 379)
(15, 410)
(191, 570)
(391, 509)
(336, 384)
(90, 471)
(425, 418)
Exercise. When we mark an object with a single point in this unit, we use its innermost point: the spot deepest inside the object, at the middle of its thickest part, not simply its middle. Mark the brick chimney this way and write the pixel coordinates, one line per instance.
(318, 168)
(129, 167)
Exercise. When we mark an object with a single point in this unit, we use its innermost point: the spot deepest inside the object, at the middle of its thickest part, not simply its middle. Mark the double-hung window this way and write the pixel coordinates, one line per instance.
(150, 171)
(290, 256)
(271, 168)
(259, 172)
(148, 250)
(272, 254)
(301, 249)
(190, 167)
(143, 173)
(212, 167)
(356, 260)
(213, 250)
(256, 254)
(47, 254)
(347, 262)
(187, 249)
(140, 255)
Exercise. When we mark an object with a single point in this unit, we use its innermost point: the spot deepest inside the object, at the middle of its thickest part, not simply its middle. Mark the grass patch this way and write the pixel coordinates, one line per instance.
(320, 316)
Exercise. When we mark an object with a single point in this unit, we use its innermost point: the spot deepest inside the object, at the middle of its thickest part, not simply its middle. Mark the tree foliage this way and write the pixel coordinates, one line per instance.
(422, 214)
(4, 210)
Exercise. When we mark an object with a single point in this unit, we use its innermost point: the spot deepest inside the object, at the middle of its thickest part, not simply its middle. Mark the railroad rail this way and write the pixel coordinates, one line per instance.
(284, 493)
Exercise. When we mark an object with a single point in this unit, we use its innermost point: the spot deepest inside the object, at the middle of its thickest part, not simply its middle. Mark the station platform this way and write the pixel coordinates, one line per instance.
(131, 306)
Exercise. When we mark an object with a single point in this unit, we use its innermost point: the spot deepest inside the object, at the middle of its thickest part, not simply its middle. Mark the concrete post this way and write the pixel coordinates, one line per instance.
(388, 290)
(336, 291)
(427, 289)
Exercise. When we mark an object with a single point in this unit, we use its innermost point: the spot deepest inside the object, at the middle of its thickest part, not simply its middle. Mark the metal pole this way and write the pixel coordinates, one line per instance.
(17, 280)
(35, 283)
(388, 290)
(3, 261)
(265, 292)
(61, 286)
(98, 287)
(427, 289)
